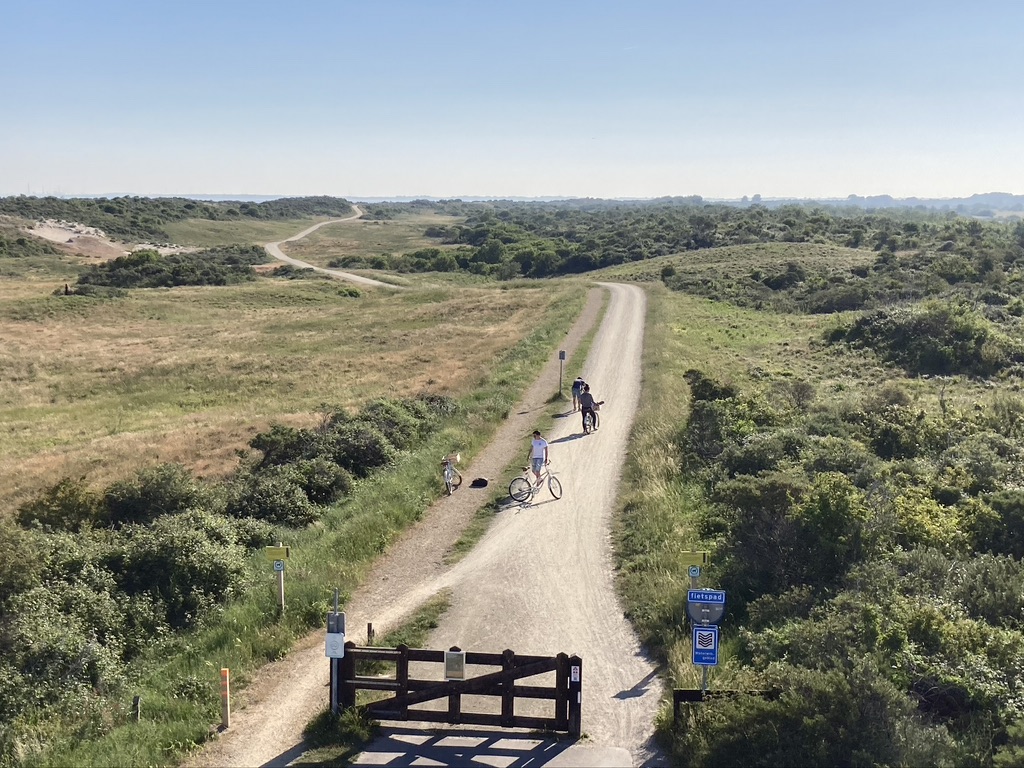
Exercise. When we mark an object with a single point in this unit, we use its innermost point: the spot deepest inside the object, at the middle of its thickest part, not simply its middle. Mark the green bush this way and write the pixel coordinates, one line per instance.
(21, 562)
(396, 420)
(934, 339)
(187, 562)
(1002, 531)
(67, 506)
(818, 718)
(360, 448)
(161, 490)
(323, 481)
(273, 496)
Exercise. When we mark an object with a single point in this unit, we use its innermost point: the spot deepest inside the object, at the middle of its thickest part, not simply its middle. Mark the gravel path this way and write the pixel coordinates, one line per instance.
(270, 715)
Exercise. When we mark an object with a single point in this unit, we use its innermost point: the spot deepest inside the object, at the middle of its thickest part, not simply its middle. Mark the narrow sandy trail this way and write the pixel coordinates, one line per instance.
(274, 249)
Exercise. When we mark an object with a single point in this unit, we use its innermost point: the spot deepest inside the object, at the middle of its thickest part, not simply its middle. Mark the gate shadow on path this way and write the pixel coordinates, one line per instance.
(507, 749)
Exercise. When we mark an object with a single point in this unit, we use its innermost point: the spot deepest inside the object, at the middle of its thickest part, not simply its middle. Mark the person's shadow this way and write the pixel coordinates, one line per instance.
(567, 438)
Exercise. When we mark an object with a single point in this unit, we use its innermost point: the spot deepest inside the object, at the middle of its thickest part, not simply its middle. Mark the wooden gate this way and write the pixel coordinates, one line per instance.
(566, 694)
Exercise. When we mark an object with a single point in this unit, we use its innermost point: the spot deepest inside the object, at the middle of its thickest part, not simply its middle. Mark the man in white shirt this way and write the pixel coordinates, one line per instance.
(538, 454)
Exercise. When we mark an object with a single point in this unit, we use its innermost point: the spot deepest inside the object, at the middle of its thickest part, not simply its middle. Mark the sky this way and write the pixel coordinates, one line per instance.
(438, 98)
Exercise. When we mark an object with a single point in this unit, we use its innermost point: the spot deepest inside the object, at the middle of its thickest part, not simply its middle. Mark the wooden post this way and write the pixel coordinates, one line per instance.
(575, 696)
(347, 684)
(402, 675)
(225, 698)
(455, 699)
(137, 708)
(508, 699)
(562, 692)
(369, 633)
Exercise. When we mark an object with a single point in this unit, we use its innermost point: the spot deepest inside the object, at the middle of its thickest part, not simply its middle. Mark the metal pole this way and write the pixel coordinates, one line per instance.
(335, 705)
(280, 586)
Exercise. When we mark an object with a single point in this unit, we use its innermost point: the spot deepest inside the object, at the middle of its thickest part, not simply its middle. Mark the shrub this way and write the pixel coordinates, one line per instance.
(1002, 531)
(819, 718)
(161, 490)
(360, 448)
(272, 496)
(189, 568)
(21, 562)
(67, 506)
(396, 421)
(323, 481)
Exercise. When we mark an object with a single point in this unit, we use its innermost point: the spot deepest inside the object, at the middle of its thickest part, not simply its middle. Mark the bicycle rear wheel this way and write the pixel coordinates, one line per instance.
(456, 478)
(555, 487)
(520, 489)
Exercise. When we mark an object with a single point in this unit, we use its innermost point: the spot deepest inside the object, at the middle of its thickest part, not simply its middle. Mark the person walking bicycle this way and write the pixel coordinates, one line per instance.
(577, 388)
(538, 455)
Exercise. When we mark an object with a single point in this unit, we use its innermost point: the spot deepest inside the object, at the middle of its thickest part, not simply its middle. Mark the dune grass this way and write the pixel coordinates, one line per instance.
(367, 238)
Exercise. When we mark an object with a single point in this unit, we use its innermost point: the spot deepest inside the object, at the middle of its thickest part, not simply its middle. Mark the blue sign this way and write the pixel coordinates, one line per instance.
(705, 646)
(713, 596)
(279, 565)
(694, 571)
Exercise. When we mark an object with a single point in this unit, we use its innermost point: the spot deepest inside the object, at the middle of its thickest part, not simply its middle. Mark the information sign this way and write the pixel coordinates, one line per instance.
(277, 553)
(454, 665)
(705, 646)
(714, 596)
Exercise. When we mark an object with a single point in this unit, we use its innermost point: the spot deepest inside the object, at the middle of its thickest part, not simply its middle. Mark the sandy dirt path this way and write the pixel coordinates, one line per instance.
(274, 249)
(541, 581)
(267, 728)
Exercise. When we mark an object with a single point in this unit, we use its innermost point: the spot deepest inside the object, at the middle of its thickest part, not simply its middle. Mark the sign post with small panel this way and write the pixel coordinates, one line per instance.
(279, 554)
(705, 608)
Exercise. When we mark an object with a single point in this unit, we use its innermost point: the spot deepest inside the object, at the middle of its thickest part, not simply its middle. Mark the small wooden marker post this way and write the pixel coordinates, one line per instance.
(137, 708)
(225, 698)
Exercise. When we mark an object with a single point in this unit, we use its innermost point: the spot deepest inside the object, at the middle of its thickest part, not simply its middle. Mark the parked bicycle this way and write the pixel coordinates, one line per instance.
(592, 418)
(523, 489)
(452, 476)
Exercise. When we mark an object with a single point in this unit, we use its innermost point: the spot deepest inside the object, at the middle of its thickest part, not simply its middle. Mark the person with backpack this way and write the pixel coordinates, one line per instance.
(577, 387)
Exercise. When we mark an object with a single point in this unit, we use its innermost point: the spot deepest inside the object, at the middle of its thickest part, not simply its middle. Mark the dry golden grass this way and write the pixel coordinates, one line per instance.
(103, 387)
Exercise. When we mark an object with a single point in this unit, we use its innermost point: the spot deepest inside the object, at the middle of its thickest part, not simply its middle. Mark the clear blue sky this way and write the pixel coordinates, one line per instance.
(441, 98)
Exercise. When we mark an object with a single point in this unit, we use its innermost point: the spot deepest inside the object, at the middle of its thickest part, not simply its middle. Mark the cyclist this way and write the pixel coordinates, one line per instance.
(587, 403)
(577, 387)
(538, 454)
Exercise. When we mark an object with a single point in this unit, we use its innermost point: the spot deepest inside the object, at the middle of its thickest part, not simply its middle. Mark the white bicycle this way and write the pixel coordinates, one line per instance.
(452, 476)
(523, 489)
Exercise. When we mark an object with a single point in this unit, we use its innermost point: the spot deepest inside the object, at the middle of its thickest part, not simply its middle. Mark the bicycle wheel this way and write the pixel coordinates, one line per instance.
(588, 424)
(520, 489)
(555, 487)
(456, 479)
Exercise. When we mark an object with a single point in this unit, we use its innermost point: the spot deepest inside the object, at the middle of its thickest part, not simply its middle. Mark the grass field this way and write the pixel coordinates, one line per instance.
(101, 387)
(368, 238)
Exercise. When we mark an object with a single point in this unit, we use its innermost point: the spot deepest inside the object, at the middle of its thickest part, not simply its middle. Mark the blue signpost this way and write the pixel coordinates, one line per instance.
(705, 608)
(705, 646)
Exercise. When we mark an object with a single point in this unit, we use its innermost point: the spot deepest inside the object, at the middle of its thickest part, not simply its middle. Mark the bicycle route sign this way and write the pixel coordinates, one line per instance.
(705, 606)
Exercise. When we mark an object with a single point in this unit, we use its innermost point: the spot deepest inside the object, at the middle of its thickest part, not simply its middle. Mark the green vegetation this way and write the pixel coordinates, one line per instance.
(148, 269)
(143, 218)
(177, 557)
(865, 527)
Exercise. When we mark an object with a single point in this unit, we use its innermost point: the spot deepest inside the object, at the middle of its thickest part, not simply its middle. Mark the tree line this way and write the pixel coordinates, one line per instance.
(141, 218)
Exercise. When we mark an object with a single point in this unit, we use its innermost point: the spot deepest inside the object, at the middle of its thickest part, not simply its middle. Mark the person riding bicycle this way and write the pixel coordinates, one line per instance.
(577, 387)
(538, 454)
(587, 404)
